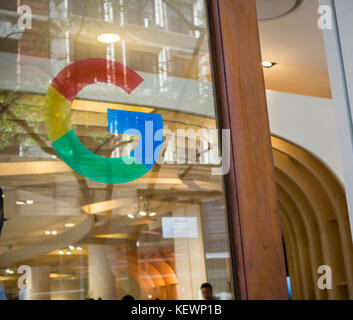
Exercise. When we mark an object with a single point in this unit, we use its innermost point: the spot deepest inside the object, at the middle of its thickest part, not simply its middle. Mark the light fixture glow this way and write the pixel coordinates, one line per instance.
(69, 225)
(143, 213)
(54, 233)
(9, 271)
(68, 253)
(108, 38)
(61, 252)
(71, 247)
(131, 216)
(152, 214)
(22, 202)
(79, 248)
(267, 64)
(47, 232)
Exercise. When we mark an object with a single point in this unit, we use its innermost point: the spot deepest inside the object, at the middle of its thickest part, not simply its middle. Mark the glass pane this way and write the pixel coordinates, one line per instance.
(108, 151)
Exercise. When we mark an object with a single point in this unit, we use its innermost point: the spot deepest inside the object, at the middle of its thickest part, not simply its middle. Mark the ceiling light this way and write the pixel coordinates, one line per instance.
(22, 202)
(69, 225)
(61, 252)
(143, 213)
(79, 248)
(131, 216)
(9, 271)
(71, 247)
(108, 38)
(268, 64)
(152, 214)
(54, 233)
(68, 253)
(47, 232)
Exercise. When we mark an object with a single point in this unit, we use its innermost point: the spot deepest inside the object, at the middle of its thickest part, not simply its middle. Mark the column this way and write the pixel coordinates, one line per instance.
(40, 284)
(338, 25)
(101, 272)
(190, 257)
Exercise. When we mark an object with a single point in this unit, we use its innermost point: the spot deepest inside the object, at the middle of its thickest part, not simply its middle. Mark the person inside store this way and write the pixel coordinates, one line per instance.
(207, 292)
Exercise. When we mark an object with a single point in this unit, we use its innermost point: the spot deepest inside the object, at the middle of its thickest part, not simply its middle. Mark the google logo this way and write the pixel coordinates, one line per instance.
(149, 127)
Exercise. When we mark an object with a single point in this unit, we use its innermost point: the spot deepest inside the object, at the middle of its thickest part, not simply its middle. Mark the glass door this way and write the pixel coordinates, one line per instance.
(110, 162)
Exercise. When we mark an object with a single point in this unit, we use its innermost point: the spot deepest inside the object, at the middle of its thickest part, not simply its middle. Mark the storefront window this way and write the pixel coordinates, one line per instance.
(76, 230)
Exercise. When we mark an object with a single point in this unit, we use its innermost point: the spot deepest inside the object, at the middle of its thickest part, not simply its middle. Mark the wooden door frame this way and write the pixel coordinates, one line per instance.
(256, 240)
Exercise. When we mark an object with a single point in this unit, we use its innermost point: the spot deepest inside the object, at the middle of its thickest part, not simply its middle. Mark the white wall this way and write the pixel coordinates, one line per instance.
(309, 122)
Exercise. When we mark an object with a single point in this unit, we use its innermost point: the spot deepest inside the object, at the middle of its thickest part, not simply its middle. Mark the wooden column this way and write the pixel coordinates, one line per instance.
(250, 185)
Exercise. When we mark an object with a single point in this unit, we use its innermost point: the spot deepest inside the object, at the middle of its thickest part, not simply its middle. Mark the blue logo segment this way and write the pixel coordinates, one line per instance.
(147, 126)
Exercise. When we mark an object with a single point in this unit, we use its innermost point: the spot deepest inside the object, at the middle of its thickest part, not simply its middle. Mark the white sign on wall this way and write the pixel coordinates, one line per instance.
(179, 227)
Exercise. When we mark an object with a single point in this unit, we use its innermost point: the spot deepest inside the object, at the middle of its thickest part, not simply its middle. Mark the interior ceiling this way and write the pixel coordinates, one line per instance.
(270, 9)
(294, 41)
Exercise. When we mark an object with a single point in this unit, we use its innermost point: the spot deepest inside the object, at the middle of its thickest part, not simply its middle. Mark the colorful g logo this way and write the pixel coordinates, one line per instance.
(63, 90)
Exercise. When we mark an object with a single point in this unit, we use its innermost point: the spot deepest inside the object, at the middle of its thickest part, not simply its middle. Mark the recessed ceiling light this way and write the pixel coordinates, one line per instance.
(71, 247)
(68, 253)
(61, 252)
(9, 271)
(54, 233)
(20, 202)
(47, 232)
(69, 225)
(131, 216)
(268, 64)
(79, 248)
(29, 202)
(143, 213)
(152, 214)
(108, 38)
